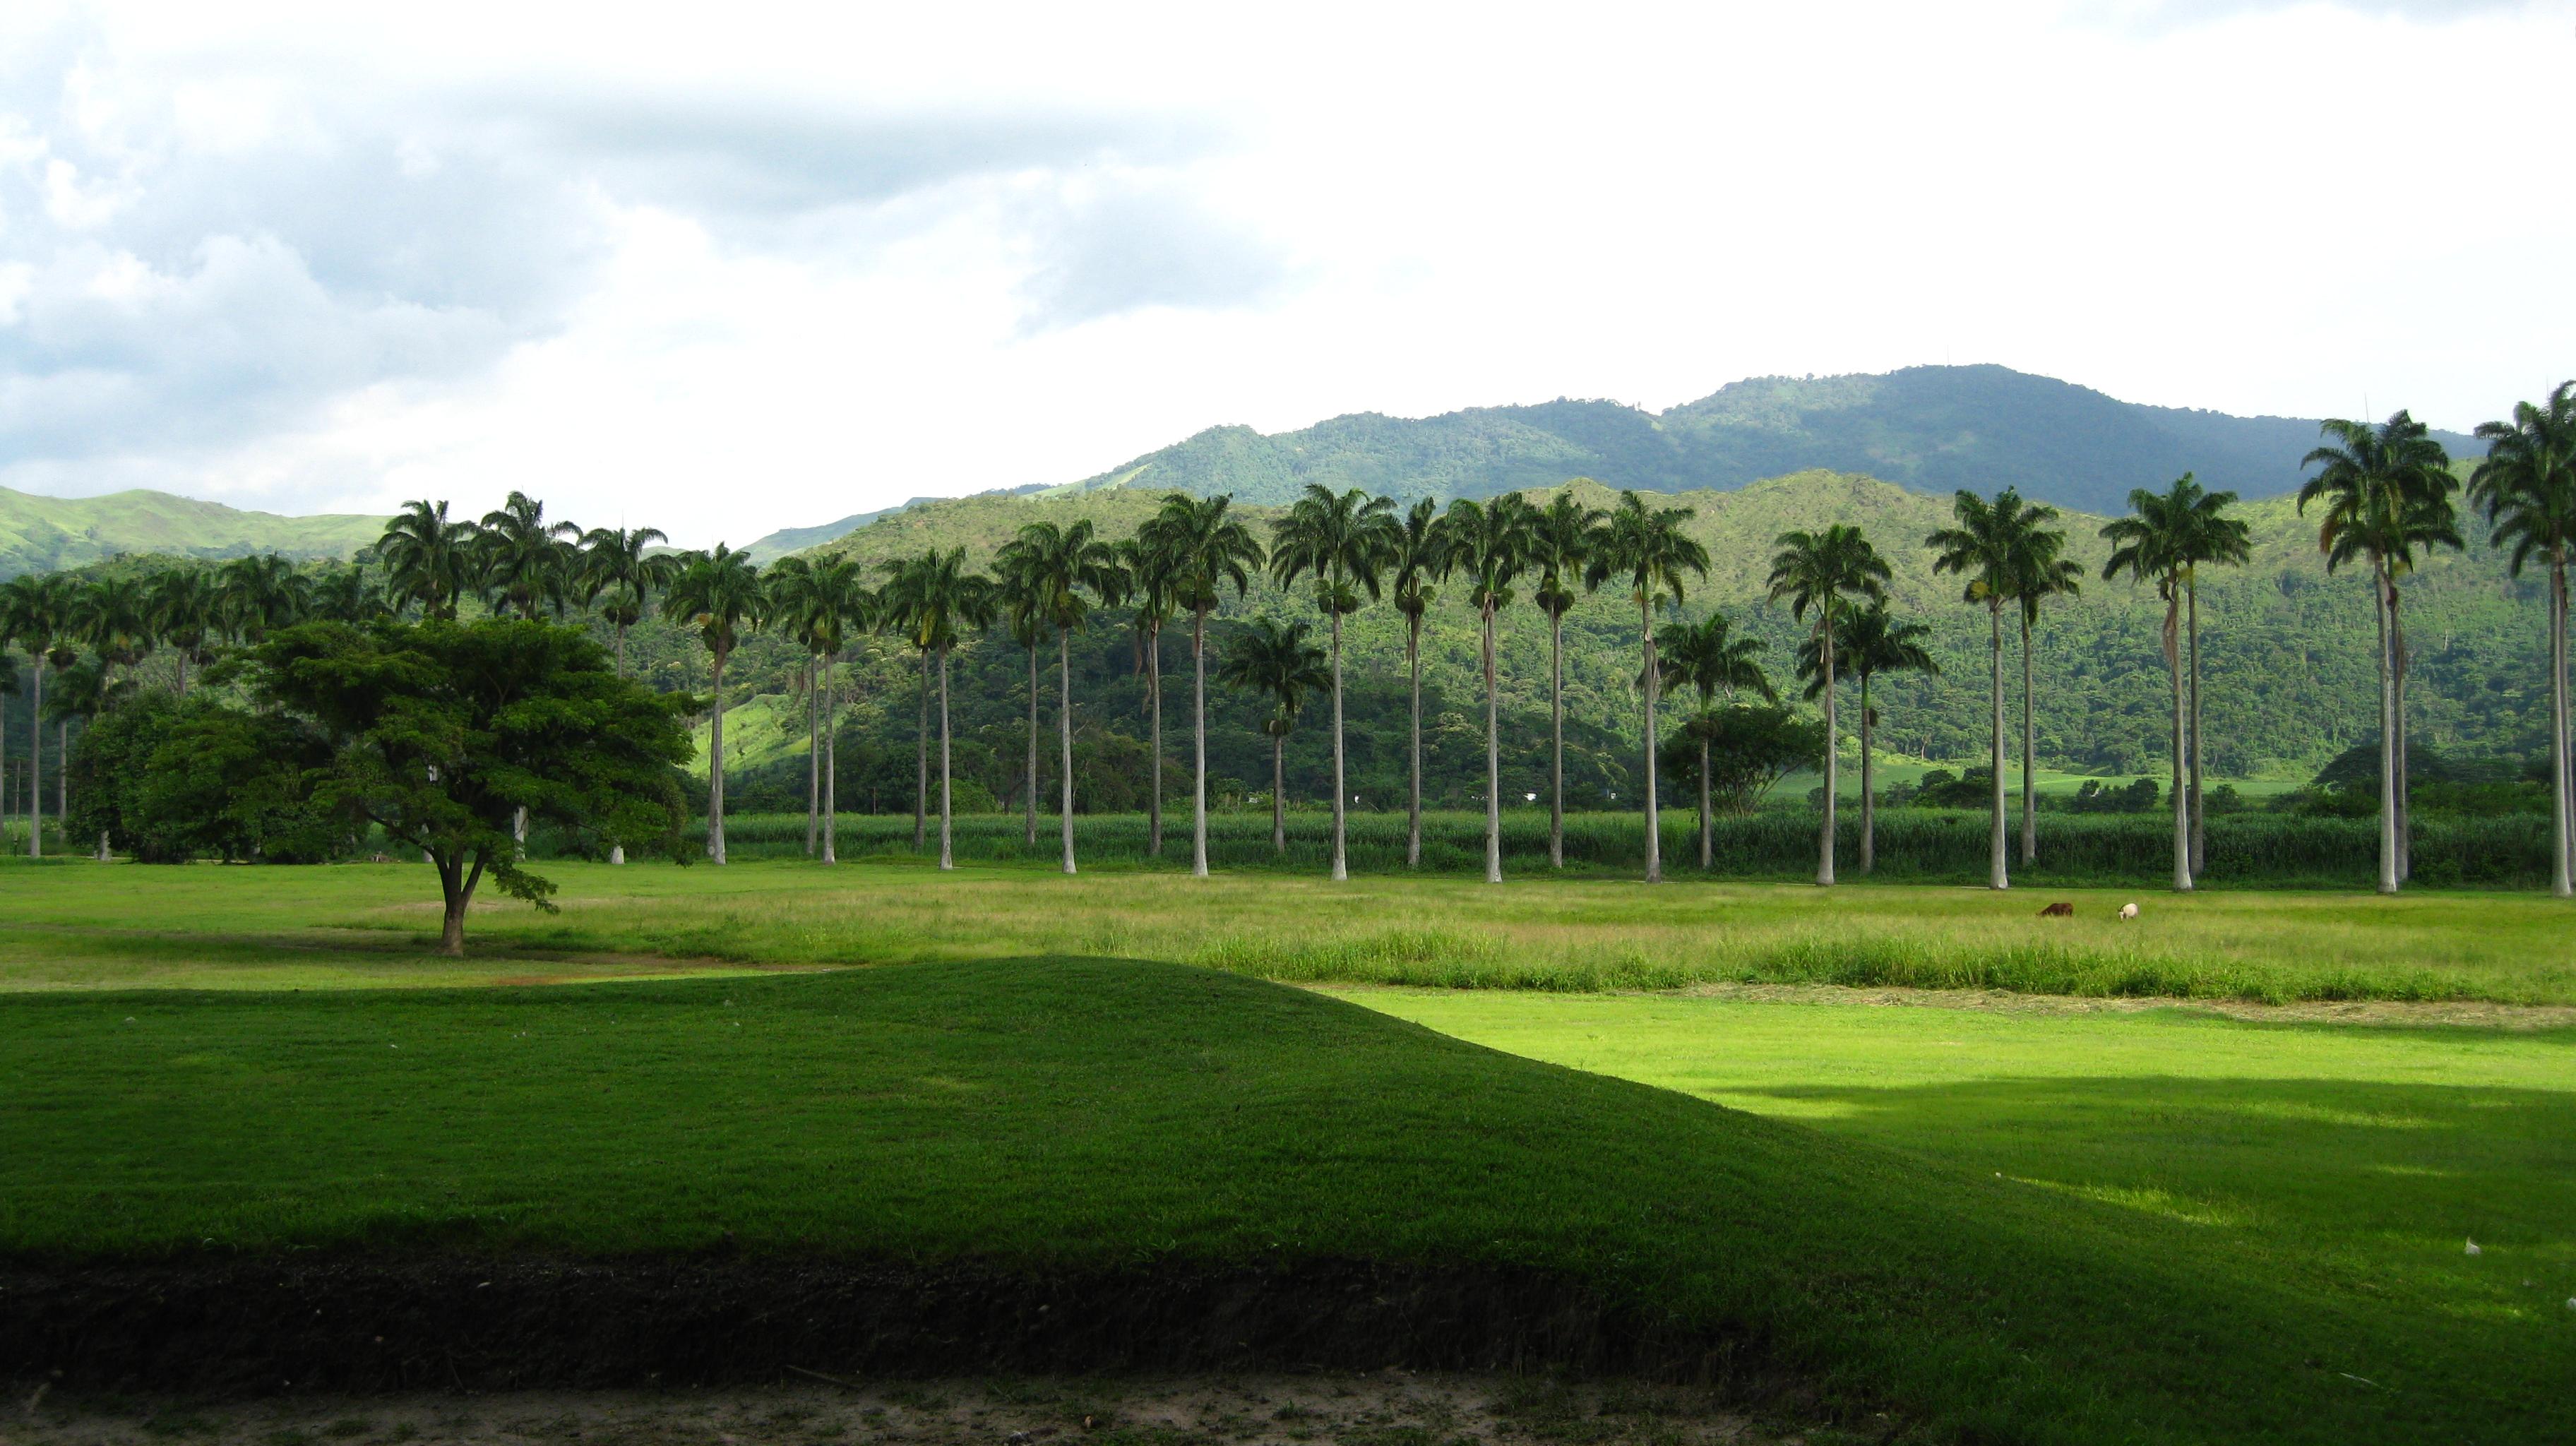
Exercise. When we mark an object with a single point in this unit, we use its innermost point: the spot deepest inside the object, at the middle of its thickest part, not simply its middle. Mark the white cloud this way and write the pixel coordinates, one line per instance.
(731, 276)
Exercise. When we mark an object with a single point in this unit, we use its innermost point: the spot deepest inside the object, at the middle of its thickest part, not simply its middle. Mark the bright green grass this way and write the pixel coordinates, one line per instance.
(1100, 1113)
(79, 925)
(2354, 1157)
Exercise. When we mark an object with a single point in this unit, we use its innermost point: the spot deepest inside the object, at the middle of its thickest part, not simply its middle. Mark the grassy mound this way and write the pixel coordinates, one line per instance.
(1107, 1118)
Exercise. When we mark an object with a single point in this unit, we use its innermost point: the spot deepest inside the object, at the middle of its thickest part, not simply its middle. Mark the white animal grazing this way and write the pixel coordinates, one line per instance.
(2128, 911)
(2473, 1248)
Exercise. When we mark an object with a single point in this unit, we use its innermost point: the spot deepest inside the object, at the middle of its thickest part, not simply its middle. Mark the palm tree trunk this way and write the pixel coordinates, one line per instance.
(715, 765)
(813, 758)
(1198, 741)
(947, 846)
(1868, 786)
(1278, 801)
(1413, 809)
(831, 767)
(2387, 735)
(1064, 718)
(2181, 751)
(2199, 818)
(1654, 823)
(2561, 884)
(1825, 839)
(1493, 764)
(1154, 799)
(1341, 787)
(2397, 667)
(1556, 748)
(921, 761)
(2029, 759)
(1996, 875)
(36, 761)
(1033, 743)
(1707, 840)
(621, 652)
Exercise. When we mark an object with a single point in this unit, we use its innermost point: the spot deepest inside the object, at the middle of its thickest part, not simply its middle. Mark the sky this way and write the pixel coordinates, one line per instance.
(725, 269)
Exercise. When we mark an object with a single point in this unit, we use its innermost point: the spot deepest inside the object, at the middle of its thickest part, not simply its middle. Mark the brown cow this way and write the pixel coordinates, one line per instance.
(2059, 910)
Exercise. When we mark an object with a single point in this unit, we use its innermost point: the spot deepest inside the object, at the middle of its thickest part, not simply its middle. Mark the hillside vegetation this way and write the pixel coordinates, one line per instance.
(48, 534)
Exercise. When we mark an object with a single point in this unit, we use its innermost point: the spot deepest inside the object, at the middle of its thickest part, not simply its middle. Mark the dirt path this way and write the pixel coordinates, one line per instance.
(1387, 1408)
(2355, 1011)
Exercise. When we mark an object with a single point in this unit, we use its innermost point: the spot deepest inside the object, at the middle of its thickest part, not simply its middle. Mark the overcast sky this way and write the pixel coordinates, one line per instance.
(726, 268)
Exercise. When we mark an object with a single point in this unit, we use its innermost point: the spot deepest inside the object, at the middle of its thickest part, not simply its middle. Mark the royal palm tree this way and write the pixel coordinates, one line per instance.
(849, 610)
(346, 593)
(1278, 662)
(798, 613)
(718, 593)
(1344, 541)
(1206, 549)
(2527, 486)
(1071, 567)
(36, 614)
(1413, 571)
(2040, 571)
(428, 559)
(1647, 551)
(1707, 657)
(1149, 585)
(617, 564)
(941, 604)
(82, 691)
(113, 616)
(2213, 539)
(1831, 574)
(2386, 494)
(2150, 545)
(1021, 599)
(525, 561)
(1986, 547)
(1562, 540)
(1491, 543)
(1869, 642)
(258, 594)
(185, 610)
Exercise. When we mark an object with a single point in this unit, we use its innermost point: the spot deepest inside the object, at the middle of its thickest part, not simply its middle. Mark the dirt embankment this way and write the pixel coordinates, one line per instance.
(358, 1325)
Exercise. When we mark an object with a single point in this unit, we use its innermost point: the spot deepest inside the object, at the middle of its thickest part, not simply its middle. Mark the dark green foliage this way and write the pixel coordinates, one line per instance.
(1751, 748)
(170, 779)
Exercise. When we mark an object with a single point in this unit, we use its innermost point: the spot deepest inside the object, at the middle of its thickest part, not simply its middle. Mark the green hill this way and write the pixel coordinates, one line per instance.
(1934, 429)
(45, 534)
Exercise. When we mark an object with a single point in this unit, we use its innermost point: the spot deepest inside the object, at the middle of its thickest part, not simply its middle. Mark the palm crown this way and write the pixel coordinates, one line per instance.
(2527, 484)
(1344, 541)
(2386, 491)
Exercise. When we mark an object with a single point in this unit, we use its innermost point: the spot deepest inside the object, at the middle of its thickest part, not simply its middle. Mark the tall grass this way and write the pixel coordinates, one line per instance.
(1915, 844)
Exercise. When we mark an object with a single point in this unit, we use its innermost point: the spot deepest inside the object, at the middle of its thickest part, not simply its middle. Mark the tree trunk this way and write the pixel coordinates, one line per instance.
(1064, 717)
(621, 650)
(921, 763)
(1033, 743)
(1154, 799)
(715, 766)
(2561, 883)
(456, 886)
(36, 761)
(1997, 876)
(2199, 817)
(1825, 838)
(2029, 759)
(1278, 804)
(1707, 843)
(1556, 744)
(1868, 786)
(2182, 873)
(1654, 823)
(813, 759)
(519, 830)
(1413, 808)
(2397, 666)
(947, 848)
(831, 768)
(2387, 736)
(1198, 741)
(1341, 786)
(1493, 764)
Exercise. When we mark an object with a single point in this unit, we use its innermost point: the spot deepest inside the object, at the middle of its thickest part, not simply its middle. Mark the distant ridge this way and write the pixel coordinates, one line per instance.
(46, 534)
(1932, 429)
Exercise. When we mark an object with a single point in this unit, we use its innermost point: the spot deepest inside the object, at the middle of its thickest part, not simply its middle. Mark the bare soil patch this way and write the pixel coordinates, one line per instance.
(2352, 1011)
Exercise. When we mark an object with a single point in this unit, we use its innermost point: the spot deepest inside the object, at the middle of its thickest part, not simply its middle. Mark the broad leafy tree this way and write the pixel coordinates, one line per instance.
(1562, 539)
(1207, 549)
(1708, 658)
(2527, 487)
(1344, 542)
(1646, 552)
(440, 732)
(1490, 543)
(1831, 574)
(2384, 493)
(1277, 661)
(1071, 568)
(719, 595)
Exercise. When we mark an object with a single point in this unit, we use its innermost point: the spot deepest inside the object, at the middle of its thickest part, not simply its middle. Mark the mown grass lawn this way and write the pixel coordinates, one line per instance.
(1113, 1113)
(80, 925)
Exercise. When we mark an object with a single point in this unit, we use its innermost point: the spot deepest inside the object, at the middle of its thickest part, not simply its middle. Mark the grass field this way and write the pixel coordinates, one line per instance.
(81, 925)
